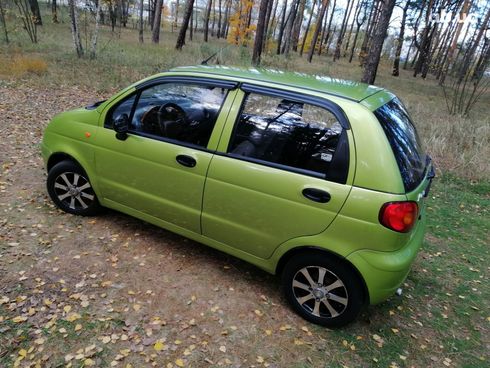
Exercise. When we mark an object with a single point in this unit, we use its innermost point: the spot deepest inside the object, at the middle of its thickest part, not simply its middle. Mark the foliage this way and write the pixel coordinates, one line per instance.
(241, 29)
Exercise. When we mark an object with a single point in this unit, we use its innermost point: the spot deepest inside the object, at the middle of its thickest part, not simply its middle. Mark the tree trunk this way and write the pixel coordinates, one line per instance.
(367, 32)
(185, 24)
(93, 48)
(359, 23)
(75, 31)
(471, 51)
(289, 27)
(307, 28)
(454, 44)
(318, 27)
(226, 22)
(329, 27)
(259, 34)
(206, 20)
(322, 33)
(281, 27)
(265, 37)
(399, 45)
(350, 5)
(54, 11)
(140, 26)
(176, 14)
(218, 33)
(36, 13)
(4, 22)
(155, 35)
(297, 25)
(372, 61)
(357, 11)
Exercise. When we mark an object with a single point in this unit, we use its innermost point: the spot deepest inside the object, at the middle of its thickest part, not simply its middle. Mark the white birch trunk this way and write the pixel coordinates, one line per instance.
(96, 31)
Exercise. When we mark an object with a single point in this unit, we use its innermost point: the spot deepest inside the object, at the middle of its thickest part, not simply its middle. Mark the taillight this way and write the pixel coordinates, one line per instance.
(399, 216)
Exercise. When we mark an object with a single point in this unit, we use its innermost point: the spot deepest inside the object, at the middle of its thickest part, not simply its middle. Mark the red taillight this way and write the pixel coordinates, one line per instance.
(399, 216)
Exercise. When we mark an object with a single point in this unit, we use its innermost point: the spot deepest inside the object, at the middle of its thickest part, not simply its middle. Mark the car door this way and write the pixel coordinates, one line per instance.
(281, 171)
(160, 168)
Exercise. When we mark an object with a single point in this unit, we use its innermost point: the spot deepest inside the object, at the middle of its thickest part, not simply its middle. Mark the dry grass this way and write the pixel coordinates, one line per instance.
(18, 65)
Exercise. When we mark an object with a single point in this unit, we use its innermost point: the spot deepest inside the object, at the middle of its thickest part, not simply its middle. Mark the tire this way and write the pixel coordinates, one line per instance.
(333, 300)
(70, 189)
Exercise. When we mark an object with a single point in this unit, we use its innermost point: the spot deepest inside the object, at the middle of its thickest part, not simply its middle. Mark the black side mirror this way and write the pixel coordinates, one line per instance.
(121, 126)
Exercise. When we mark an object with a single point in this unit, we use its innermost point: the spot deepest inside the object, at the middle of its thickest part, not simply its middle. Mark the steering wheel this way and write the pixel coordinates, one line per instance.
(170, 114)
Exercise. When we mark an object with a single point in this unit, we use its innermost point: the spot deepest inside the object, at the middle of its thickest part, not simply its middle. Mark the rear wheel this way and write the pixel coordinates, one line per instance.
(322, 290)
(70, 189)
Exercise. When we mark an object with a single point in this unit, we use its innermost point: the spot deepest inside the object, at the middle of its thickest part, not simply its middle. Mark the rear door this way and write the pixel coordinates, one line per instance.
(280, 172)
(160, 169)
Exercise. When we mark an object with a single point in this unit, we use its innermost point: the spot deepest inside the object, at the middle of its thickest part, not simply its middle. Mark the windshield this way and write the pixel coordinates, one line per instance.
(404, 141)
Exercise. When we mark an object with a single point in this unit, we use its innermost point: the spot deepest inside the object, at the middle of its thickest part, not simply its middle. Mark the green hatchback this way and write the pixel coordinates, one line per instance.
(320, 180)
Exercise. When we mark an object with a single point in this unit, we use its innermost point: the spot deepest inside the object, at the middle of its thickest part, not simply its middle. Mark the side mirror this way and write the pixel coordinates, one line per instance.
(121, 126)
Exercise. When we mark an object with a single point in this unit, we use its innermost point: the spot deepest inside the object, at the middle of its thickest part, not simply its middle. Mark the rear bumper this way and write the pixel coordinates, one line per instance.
(384, 272)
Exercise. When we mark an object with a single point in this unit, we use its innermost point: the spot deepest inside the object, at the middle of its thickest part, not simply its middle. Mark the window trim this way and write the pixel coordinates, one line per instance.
(166, 80)
(302, 98)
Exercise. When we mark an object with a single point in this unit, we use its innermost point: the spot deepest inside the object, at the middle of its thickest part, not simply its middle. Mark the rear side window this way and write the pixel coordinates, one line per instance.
(404, 141)
(274, 130)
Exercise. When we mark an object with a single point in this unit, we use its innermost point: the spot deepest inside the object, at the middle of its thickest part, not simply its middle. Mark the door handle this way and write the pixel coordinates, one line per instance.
(316, 195)
(185, 160)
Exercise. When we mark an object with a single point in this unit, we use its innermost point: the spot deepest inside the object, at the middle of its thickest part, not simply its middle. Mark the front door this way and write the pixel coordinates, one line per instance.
(280, 172)
(160, 169)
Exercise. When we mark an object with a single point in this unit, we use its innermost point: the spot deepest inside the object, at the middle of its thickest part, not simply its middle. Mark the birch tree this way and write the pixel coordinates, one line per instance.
(75, 31)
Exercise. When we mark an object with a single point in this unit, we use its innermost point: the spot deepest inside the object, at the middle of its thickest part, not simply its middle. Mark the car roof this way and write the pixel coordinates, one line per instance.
(351, 90)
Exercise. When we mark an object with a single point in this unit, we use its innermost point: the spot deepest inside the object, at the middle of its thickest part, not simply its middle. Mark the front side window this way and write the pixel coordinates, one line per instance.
(285, 132)
(176, 111)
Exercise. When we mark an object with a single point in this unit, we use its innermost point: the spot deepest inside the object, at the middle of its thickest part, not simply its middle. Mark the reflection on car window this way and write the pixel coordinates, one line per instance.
(286, 132)
(124, 108)
(404, 141)
(181, 112)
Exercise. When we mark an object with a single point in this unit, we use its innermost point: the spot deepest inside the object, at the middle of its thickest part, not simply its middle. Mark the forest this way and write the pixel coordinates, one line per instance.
(115, 291)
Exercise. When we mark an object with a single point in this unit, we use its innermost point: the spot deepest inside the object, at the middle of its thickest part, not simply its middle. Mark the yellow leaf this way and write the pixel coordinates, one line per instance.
(88, 362)
(395, 330)
(19, 319)
(159, 345)
(136, 307)
(73, 317)
(78, 327)
(67, 308)
(268, 332)
(179, 363)
(106, 339)
(23, 353)
(260, 359)
(259, 313)
(39, 341)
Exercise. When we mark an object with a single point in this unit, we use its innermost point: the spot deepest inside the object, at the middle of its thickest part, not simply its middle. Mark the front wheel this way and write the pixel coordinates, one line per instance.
(322, 290)
(69, 188)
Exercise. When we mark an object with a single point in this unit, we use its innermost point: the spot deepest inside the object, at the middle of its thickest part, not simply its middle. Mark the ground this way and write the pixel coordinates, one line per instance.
(115, 291)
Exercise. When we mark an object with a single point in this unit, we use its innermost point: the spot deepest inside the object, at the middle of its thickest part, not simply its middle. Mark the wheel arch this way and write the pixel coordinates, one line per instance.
(322, 252)
(58, 157)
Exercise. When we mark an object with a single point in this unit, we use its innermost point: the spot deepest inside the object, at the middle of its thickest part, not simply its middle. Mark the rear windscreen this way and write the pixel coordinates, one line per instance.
(404, 141)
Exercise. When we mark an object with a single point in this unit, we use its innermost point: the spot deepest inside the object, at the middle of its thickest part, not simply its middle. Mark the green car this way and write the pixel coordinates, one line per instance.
(319, 180)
